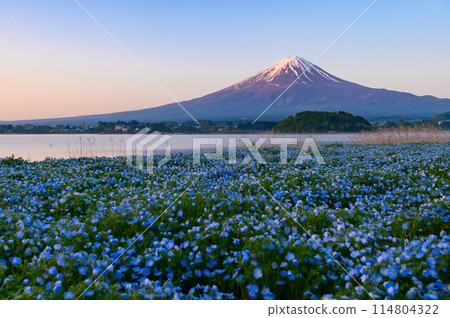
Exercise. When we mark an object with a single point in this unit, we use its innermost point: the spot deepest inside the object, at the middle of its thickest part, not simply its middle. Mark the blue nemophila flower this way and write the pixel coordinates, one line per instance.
(53, 271)
(69, 295)
(405, 272)
(206, 273)
(229, 260)
(156, 272)
(82, 270)
(359, 290)
(420, 254)
(252, 291)
(391, 288)
(411, 293)
(290, 257)
(57, 287)
(8, 279)
(389, 272)
(430, 296)
(433, 272)
(19, 235)
(432, 261)
(257, 273)
(28, 290)
(49, 286)
(185, 244)
(16, 260)
(377, 278)
(267, 295)
(435, 252)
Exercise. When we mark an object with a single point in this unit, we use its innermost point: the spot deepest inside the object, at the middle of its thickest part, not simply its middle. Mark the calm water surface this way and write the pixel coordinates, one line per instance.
(39, 147)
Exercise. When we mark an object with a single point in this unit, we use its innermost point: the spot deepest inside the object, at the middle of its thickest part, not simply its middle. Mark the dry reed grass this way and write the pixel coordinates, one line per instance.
(90, 147)
(402, 135)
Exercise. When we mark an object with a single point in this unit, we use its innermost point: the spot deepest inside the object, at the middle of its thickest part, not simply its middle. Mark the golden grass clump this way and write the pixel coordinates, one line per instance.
(402, 135)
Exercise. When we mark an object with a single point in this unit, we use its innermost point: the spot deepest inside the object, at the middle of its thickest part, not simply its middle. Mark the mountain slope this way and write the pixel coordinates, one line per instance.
(315, 89)
(444, 116)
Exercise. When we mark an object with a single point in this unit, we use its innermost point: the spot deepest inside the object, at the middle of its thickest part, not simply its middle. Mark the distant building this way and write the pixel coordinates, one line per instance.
(120, 127)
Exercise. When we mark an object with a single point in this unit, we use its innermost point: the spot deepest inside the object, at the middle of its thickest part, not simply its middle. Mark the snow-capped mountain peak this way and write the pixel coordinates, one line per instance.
(314, 90)
(287, 70)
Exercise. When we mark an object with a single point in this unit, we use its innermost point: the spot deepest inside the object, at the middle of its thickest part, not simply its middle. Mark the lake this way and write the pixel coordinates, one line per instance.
(39, 147)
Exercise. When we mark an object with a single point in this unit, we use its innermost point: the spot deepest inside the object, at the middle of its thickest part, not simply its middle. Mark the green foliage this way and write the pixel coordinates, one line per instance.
(314, 122)
(443, 116)
(440, 120)
(123, 127)
(12, 161)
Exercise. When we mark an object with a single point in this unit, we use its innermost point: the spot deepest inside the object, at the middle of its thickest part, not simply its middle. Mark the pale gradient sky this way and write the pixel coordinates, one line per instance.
(55, 61)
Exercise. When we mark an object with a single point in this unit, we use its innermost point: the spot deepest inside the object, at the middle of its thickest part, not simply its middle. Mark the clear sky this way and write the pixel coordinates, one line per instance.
(55, 61)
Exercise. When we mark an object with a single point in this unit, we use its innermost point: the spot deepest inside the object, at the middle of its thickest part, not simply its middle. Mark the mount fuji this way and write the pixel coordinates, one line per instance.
(302, 86)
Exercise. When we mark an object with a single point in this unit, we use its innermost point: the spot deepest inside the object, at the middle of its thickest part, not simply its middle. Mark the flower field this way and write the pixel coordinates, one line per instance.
(376, 220)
